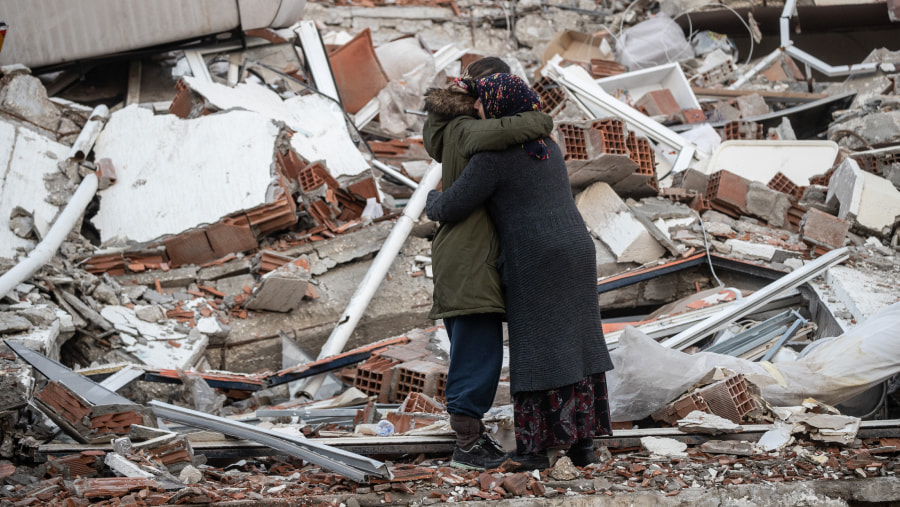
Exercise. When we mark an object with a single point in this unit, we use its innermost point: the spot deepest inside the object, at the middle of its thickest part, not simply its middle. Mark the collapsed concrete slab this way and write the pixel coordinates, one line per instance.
(611, 221)
(167, 166)
(321, 131)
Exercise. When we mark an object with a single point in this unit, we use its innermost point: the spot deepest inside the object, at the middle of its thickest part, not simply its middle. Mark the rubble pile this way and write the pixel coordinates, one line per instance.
(175, 256)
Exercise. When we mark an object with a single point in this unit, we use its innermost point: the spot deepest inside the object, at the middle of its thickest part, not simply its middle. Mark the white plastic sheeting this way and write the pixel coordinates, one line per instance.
(648, 375)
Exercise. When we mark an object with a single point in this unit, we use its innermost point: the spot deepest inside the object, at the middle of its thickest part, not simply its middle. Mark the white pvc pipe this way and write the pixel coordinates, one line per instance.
(47, 248)
(396, 174)
(89, 133)
(377, 271)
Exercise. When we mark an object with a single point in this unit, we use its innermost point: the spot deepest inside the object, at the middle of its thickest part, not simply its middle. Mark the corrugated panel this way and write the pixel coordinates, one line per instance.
(46, 32)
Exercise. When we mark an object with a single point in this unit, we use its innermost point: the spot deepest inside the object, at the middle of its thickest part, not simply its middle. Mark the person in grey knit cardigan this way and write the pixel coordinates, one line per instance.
(547, 265)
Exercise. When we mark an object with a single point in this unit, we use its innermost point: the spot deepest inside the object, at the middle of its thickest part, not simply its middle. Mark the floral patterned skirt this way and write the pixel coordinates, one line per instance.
(560, 417)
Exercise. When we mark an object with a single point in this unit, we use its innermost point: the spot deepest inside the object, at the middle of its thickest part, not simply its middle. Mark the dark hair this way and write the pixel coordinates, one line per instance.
(485, 67)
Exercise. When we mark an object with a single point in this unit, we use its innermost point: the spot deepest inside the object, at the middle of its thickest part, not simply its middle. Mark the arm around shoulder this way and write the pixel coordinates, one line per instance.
(500, 133)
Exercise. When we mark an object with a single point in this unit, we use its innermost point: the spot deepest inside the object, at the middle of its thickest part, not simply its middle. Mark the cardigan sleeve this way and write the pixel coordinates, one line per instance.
(476, 184)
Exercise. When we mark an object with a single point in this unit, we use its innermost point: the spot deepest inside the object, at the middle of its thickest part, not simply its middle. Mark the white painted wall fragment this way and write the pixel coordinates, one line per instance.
(322, 132)
(174, 174)
(25, 157)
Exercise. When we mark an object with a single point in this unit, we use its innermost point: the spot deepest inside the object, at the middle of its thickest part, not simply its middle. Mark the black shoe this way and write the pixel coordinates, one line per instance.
(484, 454)
(582, 453)
(530, 461)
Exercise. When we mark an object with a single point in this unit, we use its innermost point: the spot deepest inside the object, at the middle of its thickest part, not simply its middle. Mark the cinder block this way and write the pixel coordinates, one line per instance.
(729, 398)
(375, 377)
(419, 376)
(823, 229)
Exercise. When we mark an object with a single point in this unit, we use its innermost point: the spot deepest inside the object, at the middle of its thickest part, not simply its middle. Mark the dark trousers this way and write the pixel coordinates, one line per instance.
(476, 357)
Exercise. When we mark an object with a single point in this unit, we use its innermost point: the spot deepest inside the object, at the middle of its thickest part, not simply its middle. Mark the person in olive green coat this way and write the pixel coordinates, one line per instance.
(467, 292)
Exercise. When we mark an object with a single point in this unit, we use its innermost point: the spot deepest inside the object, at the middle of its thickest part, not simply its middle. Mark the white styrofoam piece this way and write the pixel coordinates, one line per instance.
(761, 160)
(638, 82)
(174, 174)
(25, 157)
(322, 132)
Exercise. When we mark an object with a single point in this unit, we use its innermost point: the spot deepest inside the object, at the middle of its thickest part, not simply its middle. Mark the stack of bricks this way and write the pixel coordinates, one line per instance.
(87, 423)
(84, 464)
(605, 68)
(394, 373)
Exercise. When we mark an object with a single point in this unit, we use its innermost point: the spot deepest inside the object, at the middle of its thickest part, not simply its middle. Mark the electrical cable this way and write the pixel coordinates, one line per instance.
(706, 244)
(736, 13)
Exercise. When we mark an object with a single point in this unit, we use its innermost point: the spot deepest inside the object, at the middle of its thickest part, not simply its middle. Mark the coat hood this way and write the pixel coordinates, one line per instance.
(445, 102)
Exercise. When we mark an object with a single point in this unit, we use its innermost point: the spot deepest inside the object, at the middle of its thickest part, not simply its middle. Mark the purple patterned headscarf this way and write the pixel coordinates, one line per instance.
(507, 95)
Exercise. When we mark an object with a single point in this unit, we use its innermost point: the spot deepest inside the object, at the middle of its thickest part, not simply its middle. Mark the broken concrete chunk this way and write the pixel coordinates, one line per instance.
(734, 447)
(610, 220)
(777, 438)
(150, 313)
(280, 290)
(212, 327)
(564, 470)
(668, 447)
(10, 323)
(190, 475)
(870, 201)
(25, 157)
(702, 422)
(125, 467)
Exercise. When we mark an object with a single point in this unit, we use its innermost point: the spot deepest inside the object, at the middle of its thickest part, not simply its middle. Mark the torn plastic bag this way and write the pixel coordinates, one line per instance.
(647, 375)
(842, 367)
(656, 41)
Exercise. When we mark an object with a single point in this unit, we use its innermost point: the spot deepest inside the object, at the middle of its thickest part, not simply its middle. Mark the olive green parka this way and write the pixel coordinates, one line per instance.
(464, 254)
